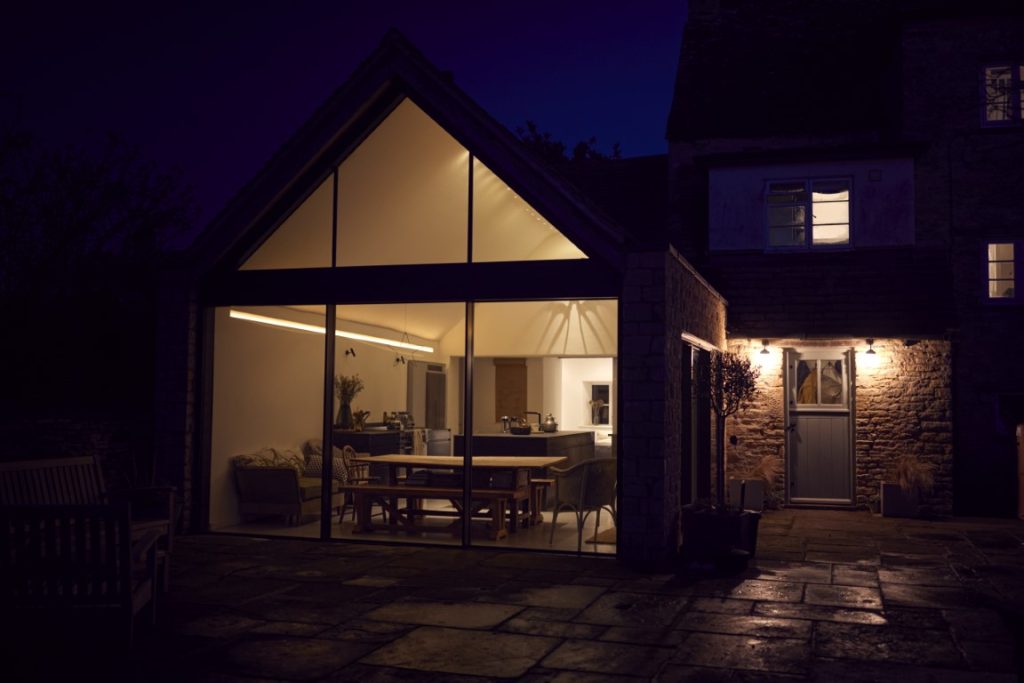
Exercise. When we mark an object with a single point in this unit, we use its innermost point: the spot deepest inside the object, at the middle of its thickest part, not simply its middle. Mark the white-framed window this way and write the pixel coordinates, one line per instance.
(1002, 94)
(599, 402)
(1001, 270)
(808, 213)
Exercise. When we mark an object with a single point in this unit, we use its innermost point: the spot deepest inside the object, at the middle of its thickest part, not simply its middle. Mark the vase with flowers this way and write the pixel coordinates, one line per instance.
(346, 387)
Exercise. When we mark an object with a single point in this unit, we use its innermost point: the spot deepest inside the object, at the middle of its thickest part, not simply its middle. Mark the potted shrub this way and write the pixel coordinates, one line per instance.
(909, 481)
(713, 534)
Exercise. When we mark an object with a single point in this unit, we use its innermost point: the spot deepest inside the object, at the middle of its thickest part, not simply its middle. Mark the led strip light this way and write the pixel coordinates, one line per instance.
(318, 329)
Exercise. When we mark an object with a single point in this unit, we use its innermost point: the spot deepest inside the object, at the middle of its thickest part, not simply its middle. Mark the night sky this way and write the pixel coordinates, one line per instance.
(214, 89)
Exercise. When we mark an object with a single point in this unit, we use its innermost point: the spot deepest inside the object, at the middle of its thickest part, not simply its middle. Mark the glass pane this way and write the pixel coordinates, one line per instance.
(831, 234)
(506, 228)
(807, 382)
(303, 240)
(268, 396)
(1000, 289)
(1000, 251)
(998, 83)
(1002, 270)
(786, 215)
(557, 358)
(832, 382)
(790, 192)
(786, 237)
(831, 191)
(831, 212)
(403, 194)
(398, 389)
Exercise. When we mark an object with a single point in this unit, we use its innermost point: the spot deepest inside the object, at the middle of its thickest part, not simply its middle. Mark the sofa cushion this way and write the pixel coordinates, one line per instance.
(270, 457)
(315, 466)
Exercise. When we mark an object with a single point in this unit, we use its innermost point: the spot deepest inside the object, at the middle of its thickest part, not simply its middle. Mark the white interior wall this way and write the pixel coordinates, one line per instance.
(576, 373)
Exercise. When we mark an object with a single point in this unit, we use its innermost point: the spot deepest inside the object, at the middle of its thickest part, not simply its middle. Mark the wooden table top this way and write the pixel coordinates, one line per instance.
(455, 461)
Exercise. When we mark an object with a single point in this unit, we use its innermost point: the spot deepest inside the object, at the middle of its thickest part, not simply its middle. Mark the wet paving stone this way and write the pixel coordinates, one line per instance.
(542, 675)
(563, 596)
(791, 571)
(288, 658)
(303, 611)
(977, 624)
(722, 605)
(773, 627)
(219, 626)
(459, 651)
(875, 643)
(290, 628)
(745, 652)
(605, 658)
(845, 575)
(987, 656)
(644, 636)
(819, 613)
(925, 596)
(633, 609)
(456, 614)
(915, 617)
(920, 576)
(554, 629)
(854, 597)
(841, 671)
(548, 613)
(775, 591)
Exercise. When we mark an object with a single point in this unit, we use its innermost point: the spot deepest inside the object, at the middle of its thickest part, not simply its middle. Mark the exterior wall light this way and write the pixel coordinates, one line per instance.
(871, 347)
(764, 347)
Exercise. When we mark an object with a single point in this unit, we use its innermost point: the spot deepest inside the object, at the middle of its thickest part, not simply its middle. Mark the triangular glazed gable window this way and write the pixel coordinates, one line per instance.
(403, 198)
(506, 228)
(303, 240)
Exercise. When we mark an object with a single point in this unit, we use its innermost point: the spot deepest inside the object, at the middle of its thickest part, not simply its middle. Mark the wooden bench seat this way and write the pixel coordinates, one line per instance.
(499, 502)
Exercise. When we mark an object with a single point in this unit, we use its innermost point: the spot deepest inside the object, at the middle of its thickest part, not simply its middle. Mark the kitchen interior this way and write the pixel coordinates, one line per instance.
(543, 382)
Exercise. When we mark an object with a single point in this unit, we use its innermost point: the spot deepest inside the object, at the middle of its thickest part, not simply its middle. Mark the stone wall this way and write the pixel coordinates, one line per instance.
(902, 406)
(662, 298)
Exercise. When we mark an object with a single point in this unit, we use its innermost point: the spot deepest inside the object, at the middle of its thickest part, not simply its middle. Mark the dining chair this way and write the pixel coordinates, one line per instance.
(585, 487)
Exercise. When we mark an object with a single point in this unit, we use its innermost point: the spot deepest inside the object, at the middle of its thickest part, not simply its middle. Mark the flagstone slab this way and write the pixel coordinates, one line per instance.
(920, 647)
(722, 605)
(289, 658)
(775, 591)
(925, 596)
(987, 656)
(608, 658)
(819, 613)
(920, 576)
(770, 570)
(644, 636)
(219, 626)
(455, 614)
(773, 627)
(560, 596)
(841, 671)
(633, 609)
(555, 629)
(977, 624)
(781, 655)
(460, 651)
(844, 575)
(855, 597)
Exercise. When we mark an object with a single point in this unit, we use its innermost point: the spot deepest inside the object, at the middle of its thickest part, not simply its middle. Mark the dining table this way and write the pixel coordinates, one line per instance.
(522, 465)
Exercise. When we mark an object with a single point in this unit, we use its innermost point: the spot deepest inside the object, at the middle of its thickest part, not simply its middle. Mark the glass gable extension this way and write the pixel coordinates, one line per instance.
(427, 421)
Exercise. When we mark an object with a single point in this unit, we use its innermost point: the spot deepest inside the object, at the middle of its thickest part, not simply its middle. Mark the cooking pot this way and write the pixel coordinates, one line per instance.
(548, 424)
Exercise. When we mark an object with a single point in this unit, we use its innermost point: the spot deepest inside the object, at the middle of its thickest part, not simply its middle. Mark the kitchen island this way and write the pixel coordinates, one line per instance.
(575, 446)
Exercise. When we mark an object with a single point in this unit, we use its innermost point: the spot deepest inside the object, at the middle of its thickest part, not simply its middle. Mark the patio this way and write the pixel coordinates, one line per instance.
(837, 596)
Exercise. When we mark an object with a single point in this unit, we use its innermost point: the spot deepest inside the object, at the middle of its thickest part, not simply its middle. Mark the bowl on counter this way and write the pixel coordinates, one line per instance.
(521, 431)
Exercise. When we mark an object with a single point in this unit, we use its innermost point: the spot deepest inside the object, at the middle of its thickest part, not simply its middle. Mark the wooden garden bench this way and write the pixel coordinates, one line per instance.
(62, 562)
(79, 481)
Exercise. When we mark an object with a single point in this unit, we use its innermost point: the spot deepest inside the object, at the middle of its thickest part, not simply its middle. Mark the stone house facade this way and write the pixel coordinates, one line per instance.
(925, 174)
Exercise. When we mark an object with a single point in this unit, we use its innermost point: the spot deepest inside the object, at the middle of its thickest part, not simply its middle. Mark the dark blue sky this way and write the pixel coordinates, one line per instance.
(215, 88)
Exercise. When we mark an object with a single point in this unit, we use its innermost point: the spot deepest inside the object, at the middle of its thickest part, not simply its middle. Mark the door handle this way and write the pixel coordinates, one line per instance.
(791, 427)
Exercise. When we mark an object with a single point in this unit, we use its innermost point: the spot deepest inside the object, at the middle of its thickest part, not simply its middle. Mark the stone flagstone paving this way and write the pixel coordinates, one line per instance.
(832, 596)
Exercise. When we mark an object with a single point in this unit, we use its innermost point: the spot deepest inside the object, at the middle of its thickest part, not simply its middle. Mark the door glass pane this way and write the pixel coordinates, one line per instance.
(541, 358)
(998, 83)
(403, 194)
(398, 392)
(831, 382)
(268, 398)
(807, 382)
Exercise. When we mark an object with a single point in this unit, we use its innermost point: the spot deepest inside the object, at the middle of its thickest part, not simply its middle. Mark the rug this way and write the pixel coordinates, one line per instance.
(606, 536)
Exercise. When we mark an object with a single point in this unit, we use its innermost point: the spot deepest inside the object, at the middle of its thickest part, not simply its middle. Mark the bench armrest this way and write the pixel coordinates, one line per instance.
(144, 544)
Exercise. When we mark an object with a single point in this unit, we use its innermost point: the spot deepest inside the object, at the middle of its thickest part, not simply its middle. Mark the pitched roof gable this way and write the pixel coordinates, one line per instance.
(396, 70)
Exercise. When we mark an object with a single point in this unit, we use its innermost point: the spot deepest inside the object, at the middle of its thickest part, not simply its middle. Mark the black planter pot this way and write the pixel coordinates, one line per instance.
(726, 539)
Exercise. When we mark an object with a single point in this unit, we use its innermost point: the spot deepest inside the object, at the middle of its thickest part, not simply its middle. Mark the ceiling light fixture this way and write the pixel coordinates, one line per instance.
(319, 329)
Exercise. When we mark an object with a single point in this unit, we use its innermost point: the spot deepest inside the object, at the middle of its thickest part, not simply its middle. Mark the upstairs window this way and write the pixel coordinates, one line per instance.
(805, 214)
(1002, 270)
(1003, 94)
